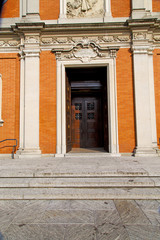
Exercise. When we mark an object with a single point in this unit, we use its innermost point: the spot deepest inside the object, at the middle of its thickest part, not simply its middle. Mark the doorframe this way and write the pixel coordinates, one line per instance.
(110, 64)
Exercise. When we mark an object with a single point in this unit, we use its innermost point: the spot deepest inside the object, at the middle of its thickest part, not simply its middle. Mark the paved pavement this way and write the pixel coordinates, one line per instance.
(79, 219)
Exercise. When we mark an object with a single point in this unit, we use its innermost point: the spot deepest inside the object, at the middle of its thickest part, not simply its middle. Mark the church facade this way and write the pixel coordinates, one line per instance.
(80, 74)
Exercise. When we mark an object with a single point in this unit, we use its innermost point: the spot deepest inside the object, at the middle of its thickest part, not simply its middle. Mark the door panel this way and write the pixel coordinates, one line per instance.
(86, 122)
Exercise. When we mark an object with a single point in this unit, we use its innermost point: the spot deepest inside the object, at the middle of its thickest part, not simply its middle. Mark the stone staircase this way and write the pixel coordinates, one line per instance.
(47, 184)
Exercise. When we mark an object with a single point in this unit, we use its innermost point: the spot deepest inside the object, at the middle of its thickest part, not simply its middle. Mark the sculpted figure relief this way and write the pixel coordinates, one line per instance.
(84, 8)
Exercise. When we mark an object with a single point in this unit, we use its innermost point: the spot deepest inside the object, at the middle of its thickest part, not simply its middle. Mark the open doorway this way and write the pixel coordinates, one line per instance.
(86, 109)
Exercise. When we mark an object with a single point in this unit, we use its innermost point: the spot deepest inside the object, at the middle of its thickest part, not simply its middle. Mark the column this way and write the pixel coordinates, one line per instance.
(141, 8)
(152, 99)
(30, 8)
(29, 98)
(22, 91)
(62, 14)
(144, 104)
(107, 7)
(59, 111)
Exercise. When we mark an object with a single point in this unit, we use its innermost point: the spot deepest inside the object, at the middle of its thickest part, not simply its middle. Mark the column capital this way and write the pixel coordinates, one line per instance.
(142, 49)
(31, 52)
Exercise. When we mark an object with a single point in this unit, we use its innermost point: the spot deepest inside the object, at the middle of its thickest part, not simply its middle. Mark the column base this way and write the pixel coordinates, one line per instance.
(28, 153)
(138, 13)
(107, 18)
(145, 152)
(59, 155)
(158, 151)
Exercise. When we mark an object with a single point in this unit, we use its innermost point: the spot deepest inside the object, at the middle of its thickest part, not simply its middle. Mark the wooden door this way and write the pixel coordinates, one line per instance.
(86, 122)
(68, 116)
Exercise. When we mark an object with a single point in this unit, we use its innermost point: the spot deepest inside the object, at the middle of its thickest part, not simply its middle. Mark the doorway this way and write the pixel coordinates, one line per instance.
(86, 108)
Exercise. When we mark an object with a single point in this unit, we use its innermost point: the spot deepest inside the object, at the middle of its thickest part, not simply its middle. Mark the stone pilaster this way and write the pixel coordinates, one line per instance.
(141, 8)
(30, 8)
(29, 95)
(108, 13)
(144, 95)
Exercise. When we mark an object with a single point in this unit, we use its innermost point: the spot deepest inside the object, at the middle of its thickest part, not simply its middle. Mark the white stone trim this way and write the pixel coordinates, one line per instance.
(152, 101)
(141, 8)
(32, 6)
(1, 121)
(22, 94)
(107, 7)
(29, 104)
(23, 8)
(144, 94)
(112, 102)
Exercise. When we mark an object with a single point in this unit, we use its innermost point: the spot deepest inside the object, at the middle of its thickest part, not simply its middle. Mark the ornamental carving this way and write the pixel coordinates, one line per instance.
(47, 40)
(106, 39)
(85, 50)
(156, 38)
(75, 40)
(84, 8)
(9, 43)
(139, 36)
(32, 39)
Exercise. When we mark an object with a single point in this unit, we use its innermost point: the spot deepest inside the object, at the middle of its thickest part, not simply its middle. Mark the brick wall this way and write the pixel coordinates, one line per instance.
(49, 9)
(47, 102)
(121, 8)
(155, 5)
(156, 61)
(11, 9)
(9, 68)
(125, 101)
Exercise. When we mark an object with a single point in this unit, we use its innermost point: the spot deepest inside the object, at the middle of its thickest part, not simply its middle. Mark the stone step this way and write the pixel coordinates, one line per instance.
(106, 182)
(79, 193)
(74, 173)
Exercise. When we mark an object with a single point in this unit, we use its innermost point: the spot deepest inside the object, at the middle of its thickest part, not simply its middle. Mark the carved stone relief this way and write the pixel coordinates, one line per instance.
(96, 39)
(85, 8)
(85, 50)
(31, 39)
(156, 38)
(9, 43)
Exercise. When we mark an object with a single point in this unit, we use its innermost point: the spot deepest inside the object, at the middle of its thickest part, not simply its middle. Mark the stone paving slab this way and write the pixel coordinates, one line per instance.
(79, 220)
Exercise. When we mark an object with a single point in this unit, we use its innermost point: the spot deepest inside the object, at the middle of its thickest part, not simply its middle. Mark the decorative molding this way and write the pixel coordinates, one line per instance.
(76, 39)
(142, 49)
(30, 53)
(139, 36)
(85, 50)
(9, 43)
(32, 39)
(156, 38)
